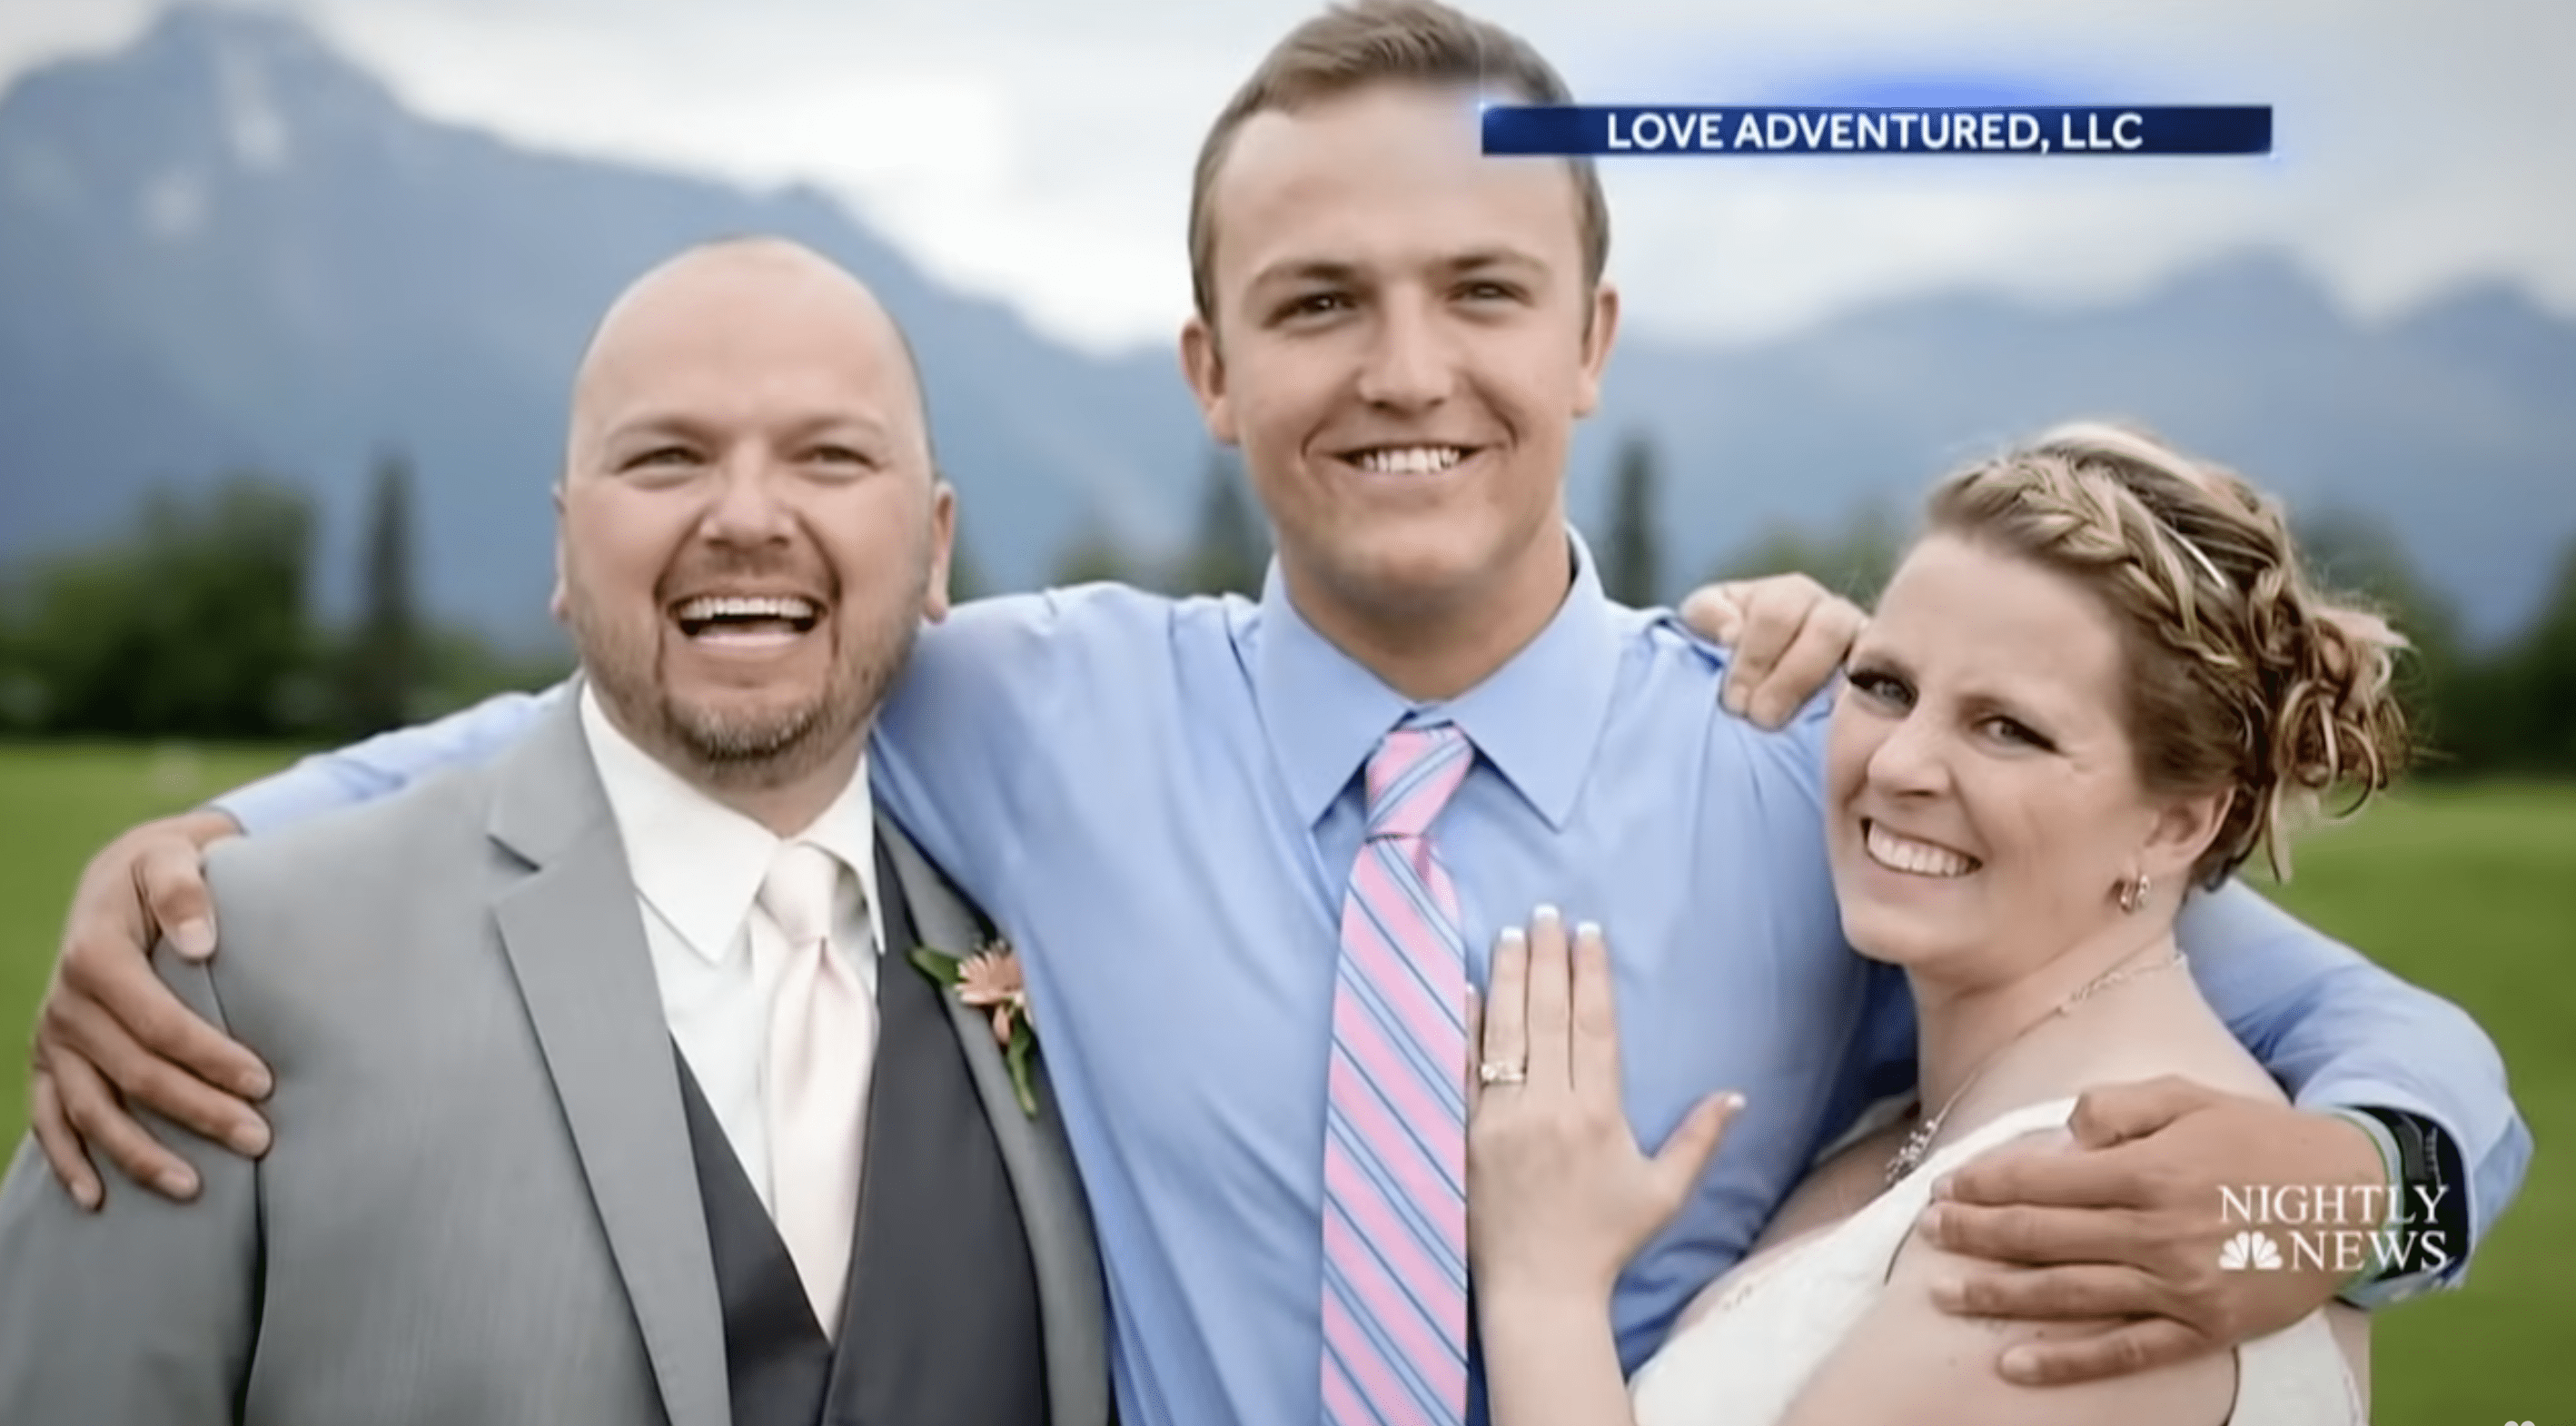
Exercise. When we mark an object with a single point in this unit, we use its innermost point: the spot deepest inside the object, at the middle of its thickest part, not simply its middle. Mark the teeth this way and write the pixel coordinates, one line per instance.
(1411, 460)
(1919, 858)
(747, 606)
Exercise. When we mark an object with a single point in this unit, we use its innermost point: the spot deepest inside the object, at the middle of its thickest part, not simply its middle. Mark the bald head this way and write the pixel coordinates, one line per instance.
(742, 307)
(751, 531)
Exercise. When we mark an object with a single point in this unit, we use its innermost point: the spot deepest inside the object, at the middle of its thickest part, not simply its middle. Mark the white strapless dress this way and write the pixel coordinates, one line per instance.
(1743, 1362)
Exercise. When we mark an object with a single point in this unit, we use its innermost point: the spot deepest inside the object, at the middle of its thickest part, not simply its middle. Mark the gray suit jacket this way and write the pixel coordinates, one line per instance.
(481, 1207)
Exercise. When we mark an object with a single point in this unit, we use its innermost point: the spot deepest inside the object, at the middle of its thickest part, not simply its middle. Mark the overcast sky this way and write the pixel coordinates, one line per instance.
(1040, 151)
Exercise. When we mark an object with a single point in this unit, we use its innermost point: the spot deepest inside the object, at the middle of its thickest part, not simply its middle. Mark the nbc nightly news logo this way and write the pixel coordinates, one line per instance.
(1667, 130)
(2337, 1228)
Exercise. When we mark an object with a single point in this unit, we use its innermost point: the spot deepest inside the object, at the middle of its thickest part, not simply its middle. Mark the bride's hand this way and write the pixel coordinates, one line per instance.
(1559, 1195)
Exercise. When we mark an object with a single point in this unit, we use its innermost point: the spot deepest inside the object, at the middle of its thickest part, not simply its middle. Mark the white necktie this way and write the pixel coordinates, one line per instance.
(822, 1034)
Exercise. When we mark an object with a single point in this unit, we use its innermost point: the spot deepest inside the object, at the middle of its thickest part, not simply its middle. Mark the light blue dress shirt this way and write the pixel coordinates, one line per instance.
(1159, 802)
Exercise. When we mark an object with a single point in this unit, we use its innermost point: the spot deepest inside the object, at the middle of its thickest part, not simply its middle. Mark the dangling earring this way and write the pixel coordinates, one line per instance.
(2133, 894)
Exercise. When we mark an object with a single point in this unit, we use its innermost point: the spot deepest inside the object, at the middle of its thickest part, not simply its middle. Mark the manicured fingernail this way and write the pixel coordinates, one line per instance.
(1513, 938)
(1587, 931)
(250, 1138)
(1547, 914)
(194, 938)
(178, 1183)
(1731, 1102)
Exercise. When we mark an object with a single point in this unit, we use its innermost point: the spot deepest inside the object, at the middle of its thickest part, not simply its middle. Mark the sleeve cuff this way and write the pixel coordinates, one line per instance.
(2424, 1164)
(2393, 1173)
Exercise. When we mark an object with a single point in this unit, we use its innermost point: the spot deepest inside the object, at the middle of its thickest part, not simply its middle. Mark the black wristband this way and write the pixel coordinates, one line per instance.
(2435, 1183)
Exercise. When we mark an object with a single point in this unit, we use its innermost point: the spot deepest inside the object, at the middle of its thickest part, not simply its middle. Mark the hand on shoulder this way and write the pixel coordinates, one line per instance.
(110, 1031)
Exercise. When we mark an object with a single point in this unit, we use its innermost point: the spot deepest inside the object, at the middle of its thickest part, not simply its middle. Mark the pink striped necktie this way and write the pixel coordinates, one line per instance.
(1395, 1111)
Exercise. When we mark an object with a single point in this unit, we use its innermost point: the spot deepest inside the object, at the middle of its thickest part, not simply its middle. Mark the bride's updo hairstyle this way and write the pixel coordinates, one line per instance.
(2240, 675)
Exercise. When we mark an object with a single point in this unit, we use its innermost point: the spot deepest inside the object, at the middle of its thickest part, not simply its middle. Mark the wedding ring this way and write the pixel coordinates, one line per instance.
(1491, 1072)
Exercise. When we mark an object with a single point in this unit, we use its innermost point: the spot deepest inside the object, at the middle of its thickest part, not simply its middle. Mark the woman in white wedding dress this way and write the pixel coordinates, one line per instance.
(2099, 681)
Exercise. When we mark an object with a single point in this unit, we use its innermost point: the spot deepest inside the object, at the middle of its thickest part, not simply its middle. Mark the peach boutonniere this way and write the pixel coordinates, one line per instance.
(990, 981)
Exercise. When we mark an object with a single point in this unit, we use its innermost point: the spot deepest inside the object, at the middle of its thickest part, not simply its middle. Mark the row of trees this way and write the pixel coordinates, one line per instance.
(200, 622)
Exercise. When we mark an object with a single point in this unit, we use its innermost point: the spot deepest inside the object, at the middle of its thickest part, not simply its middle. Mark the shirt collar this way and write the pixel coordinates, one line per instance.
(699, 863)
(1537, 719)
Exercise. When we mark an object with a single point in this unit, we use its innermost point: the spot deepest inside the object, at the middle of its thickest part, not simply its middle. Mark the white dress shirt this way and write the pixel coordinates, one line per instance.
(697, 866)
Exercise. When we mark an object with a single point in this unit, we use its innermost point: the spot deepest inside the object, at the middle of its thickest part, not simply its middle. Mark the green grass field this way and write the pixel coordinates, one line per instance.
(2471, 891)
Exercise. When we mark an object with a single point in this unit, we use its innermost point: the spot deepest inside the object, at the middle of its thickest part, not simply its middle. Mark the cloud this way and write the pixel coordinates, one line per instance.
(1040, 152)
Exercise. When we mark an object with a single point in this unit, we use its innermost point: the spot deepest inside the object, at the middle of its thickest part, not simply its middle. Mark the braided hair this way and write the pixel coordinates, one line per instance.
(2241, 675)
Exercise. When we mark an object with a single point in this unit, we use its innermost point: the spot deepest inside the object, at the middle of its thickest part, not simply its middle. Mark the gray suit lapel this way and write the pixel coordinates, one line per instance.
(576, 944)
(1071, 1296)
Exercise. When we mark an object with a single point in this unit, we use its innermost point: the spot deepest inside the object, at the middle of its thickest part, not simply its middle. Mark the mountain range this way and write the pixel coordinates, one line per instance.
(230, 246)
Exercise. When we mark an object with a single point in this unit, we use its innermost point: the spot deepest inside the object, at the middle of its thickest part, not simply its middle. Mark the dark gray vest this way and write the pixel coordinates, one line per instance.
(941, 1318)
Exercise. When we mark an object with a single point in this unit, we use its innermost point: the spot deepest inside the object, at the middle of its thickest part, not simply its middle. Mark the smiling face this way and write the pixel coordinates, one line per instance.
(750, 531)
(1982, 786)
(1401, 341)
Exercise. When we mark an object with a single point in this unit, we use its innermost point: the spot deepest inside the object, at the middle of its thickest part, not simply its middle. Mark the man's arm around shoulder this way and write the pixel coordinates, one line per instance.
(389, 762)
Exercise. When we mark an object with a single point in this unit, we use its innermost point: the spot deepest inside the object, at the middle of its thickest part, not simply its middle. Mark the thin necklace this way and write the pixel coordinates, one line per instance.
(1909, 1155)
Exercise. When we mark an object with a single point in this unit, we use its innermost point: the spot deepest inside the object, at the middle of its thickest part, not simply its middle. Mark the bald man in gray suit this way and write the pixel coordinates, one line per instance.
(533, 1161)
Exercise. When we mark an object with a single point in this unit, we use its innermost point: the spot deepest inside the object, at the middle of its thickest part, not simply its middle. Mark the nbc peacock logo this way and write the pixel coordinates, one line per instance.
(2251, 1250)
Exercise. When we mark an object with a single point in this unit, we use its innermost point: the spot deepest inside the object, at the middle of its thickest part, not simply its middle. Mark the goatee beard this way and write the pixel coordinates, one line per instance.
(764, 750)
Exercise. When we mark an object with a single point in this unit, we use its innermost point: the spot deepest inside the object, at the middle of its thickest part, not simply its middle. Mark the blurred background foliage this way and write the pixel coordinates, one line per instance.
(200, 621)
